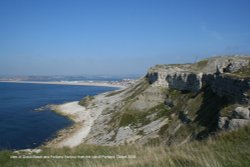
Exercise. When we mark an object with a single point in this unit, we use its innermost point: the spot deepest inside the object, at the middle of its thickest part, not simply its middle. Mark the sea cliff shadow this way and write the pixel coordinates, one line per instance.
(209, 112)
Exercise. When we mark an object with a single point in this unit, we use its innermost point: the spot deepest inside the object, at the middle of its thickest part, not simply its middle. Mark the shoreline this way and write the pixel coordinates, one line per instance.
(83, 118)
(73, 83)
(82, 122)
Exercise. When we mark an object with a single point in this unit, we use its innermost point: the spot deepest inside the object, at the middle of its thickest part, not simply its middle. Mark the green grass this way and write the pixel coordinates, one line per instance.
(127, 118)
(85, 101)
(224, 150)
(133, 118)
(161, 110)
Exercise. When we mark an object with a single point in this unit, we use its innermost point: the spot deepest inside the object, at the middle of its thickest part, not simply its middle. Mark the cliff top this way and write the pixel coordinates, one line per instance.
(221, 64)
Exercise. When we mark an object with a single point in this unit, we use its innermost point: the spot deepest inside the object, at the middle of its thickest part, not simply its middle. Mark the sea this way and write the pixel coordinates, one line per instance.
(26, 122)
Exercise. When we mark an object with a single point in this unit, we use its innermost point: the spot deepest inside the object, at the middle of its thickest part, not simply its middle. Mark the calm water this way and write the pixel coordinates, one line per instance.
(20, 126)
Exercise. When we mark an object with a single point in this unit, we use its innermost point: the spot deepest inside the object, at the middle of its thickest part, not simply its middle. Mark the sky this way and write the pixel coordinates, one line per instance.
(77, 37)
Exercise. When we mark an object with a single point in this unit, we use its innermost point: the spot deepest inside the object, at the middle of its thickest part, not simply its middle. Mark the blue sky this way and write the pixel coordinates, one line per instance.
(71, 37)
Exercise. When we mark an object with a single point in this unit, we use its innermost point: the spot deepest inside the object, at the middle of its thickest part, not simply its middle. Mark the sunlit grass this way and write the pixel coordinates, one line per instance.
(228, 149)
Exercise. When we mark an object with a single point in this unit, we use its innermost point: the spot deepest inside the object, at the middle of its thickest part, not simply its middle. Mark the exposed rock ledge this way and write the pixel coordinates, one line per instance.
(175, 78)
(213, 72)
(238, 118)
(109, 118)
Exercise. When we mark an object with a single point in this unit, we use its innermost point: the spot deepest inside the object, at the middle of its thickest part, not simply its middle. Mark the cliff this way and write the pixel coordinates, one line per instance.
(174, 104)
(156, 116)
(216, 72)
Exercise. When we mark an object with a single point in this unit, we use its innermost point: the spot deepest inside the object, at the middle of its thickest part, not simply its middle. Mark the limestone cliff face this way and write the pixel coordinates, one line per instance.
(175, 78)
(212, 72)
(175, 104)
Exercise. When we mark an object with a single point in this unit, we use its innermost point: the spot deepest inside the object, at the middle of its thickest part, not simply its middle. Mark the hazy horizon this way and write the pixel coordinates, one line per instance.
(78, 75)
(48, 38)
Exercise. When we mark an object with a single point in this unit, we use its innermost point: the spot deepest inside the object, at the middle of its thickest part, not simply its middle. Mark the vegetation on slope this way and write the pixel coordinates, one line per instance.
(190, 116)
(228, 149)
(86, 101)
(243, 73)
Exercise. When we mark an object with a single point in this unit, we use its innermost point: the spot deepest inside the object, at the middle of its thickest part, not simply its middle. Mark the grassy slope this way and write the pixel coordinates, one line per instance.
(196, 114)
(229, 149)
(202, 109)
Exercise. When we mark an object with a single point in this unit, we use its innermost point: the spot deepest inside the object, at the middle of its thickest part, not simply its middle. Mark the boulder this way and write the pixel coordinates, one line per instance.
(241, 113)
(237, 123)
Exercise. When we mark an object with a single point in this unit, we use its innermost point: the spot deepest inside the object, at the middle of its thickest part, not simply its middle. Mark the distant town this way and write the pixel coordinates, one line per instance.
(101, 80)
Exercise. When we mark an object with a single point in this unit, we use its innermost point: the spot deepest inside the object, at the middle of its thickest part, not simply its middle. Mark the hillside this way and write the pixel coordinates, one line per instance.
(176, 115)
(174, 104)
(227, 150)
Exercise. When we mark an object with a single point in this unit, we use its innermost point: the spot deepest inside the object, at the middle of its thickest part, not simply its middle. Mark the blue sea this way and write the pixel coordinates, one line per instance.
(21, 126)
